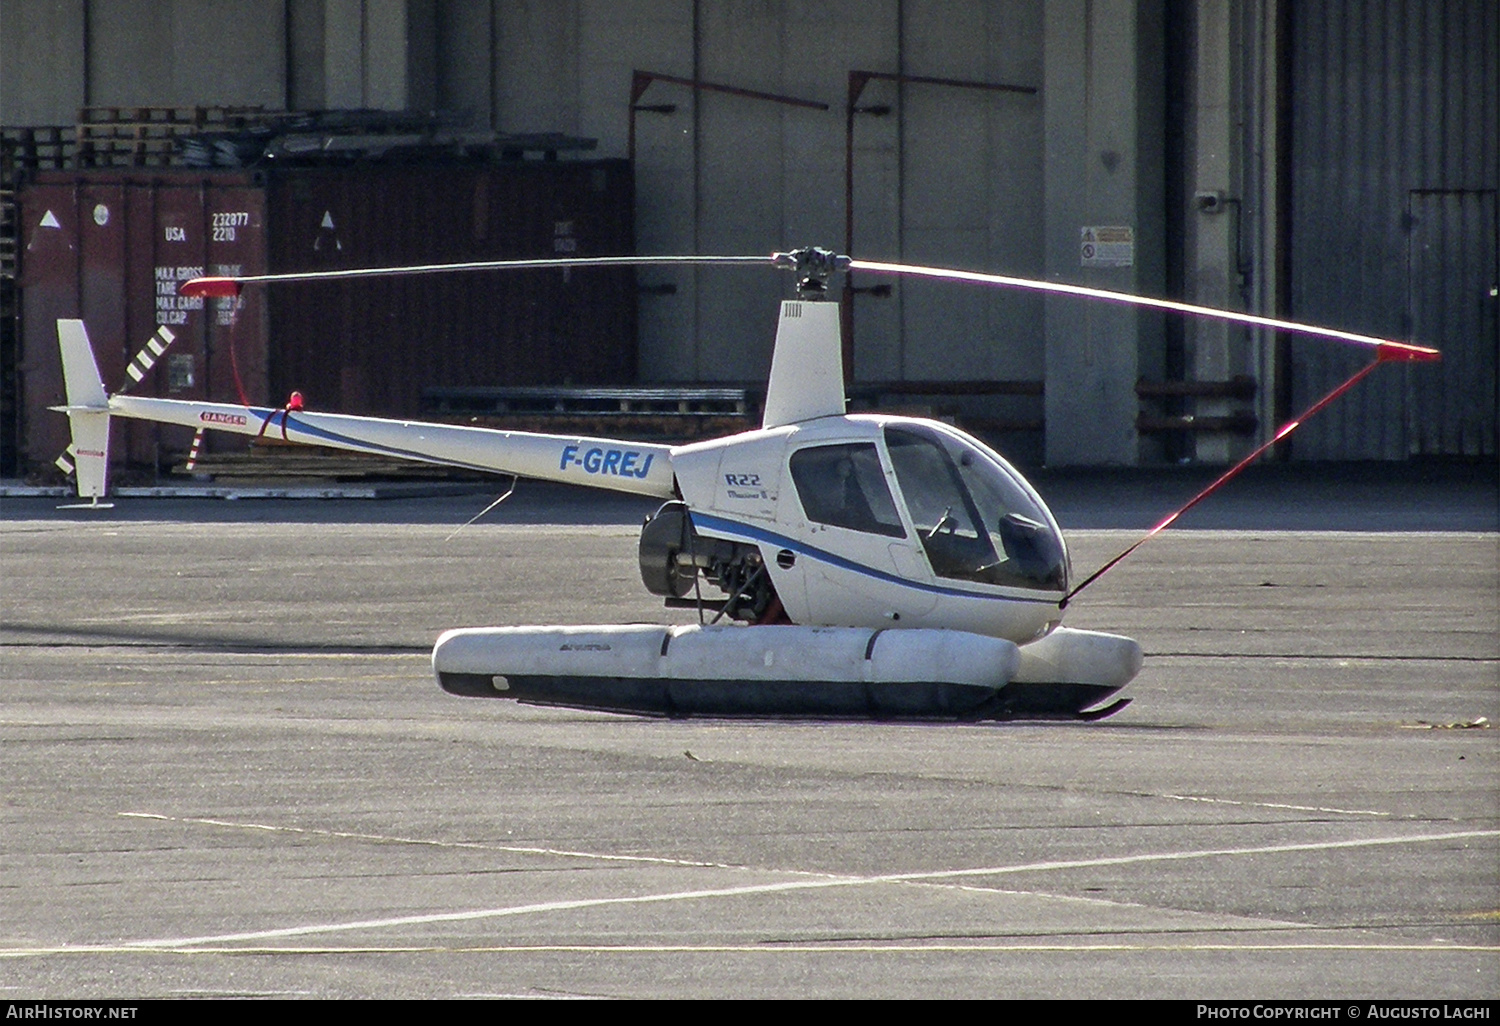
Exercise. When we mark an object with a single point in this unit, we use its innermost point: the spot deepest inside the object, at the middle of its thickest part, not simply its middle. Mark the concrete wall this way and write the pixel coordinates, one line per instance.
(58, 56)
(951, 176)
(42, 61)
(1215, 350)
(1103, 170)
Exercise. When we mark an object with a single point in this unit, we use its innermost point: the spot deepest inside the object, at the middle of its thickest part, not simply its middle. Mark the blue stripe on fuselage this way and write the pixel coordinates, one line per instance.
(343, 441)
(748, 532)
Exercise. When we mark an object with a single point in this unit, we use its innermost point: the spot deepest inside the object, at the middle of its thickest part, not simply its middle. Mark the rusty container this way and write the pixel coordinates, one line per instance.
(111, 245)
(373, 346)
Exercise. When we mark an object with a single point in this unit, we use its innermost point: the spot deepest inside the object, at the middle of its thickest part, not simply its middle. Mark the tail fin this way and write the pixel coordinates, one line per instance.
(807, 365)
(87, 409)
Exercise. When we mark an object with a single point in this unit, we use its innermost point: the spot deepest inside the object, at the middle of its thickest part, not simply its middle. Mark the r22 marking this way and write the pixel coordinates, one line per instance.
(742, 480)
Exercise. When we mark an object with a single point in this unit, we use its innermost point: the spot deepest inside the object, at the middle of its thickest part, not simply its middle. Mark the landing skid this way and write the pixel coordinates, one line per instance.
(1085, 716)
(789, 672)
(924, 702)
(1033, 701)
(1107, 711)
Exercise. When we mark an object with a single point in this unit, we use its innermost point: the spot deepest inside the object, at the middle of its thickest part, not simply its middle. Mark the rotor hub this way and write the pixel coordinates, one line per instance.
(813, 266)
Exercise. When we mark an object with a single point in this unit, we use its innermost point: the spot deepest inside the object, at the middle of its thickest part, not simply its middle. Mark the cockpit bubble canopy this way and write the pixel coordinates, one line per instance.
(976, 520)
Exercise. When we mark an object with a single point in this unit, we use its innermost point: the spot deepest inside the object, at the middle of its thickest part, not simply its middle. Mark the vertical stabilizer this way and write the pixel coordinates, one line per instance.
(87, 410)
(90, 451)
(80, 372)
(807, 366)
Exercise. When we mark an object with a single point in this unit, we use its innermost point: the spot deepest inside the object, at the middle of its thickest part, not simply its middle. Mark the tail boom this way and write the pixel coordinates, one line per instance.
(636, 467)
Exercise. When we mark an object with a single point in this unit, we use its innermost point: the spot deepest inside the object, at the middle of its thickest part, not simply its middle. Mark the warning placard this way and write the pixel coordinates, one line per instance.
(1107, 246)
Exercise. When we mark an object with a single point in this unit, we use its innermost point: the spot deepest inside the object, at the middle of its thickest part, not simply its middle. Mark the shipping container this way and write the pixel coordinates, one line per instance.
(112, 245)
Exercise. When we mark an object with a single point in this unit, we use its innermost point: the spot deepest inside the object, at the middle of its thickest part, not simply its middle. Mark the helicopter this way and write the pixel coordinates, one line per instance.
(865, 566)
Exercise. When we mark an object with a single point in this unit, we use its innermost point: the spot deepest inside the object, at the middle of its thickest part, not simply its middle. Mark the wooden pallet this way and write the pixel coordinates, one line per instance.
(147, 136)
(34, 148)
(268, 461)
(1239, 389)
(195, 119)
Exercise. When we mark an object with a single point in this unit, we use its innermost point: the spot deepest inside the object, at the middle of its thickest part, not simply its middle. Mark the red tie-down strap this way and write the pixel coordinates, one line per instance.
(1388, 352)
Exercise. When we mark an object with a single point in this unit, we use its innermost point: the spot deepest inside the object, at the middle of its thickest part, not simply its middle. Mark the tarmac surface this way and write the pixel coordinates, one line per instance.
(227, 770)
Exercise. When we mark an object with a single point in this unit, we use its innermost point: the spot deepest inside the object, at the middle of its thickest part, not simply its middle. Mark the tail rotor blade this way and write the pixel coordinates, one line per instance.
(144, 360)
(65, 462)
(192, 460)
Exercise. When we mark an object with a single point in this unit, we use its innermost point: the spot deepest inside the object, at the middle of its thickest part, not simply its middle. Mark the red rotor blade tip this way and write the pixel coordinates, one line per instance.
(1406, 352)
(222, 288)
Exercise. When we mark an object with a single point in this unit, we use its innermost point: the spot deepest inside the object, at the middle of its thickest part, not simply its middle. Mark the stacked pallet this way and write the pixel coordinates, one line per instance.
(273, 461)
(151, 136)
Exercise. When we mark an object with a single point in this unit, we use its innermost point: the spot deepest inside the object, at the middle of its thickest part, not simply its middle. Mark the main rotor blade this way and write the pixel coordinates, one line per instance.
(1389, 349)
(230, 286)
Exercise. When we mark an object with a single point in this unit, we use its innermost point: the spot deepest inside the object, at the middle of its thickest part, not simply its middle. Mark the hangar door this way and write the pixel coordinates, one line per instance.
(1454, 277)
(1394, 169)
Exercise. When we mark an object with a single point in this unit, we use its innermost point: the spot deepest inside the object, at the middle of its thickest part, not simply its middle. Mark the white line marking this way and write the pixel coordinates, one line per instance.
(604, 857)
(1259, 922)
(530, 996)
(427, 842)
(1268, 805)
(786, 886)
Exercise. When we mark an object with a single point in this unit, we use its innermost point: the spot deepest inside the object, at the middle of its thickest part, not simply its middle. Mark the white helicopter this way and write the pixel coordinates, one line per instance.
(869, 566)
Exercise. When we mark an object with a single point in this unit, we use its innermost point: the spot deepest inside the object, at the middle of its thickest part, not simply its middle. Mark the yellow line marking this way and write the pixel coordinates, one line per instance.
(827, 947)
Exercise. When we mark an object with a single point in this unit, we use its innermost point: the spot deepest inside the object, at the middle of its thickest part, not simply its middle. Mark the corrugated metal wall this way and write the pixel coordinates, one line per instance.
(1394, 177)
(1451, 407)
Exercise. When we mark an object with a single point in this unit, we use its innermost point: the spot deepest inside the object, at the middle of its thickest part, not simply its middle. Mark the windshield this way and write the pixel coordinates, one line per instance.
(976, 522)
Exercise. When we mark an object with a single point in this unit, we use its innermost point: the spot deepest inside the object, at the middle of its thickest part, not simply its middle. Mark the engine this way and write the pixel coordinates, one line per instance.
(673, 556)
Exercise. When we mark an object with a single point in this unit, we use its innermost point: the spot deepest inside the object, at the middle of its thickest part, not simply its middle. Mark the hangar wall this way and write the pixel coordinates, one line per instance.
(944, 173)
(947, 174)
(1395, 175)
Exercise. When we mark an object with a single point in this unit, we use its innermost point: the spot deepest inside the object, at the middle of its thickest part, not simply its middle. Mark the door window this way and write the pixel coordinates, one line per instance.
(844, 486)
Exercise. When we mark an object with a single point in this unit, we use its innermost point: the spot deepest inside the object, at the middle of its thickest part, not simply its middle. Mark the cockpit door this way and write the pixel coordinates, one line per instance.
(861, 565)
